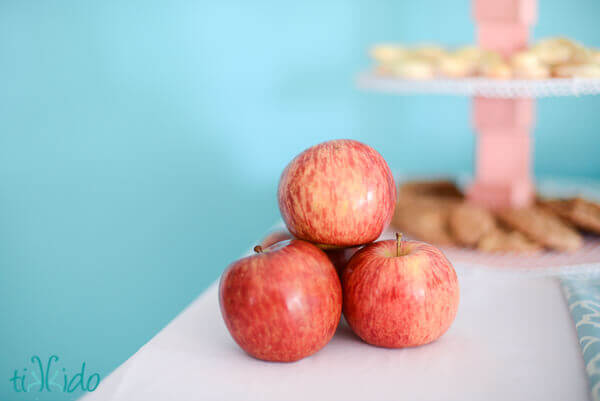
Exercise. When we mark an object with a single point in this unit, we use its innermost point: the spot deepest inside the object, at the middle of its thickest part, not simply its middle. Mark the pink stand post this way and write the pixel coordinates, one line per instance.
(503, 161)
(503, 167)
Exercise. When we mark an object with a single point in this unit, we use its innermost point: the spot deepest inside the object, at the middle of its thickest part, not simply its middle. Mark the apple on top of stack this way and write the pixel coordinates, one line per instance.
(285, 302)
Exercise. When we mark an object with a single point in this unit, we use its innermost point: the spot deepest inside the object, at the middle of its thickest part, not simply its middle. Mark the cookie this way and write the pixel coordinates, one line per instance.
(469, 223)
(496, 70)
(581, 54)
(387, 53)
(527, 65)
(471, 53)
(431, 53)
(525, 60)
(543, 227)
(581, 213)
(501, 239)
(445, 189)
(553, 51)
(451, 66)
(577, 70)
(537, 72)
(425, 219)
(414, 67)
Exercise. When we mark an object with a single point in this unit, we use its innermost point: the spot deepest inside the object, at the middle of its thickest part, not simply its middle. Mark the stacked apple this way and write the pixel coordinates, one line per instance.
(285, 302)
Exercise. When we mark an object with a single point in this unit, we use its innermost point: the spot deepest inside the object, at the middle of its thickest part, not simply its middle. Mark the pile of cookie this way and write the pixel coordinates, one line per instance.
(437, 212)
(548, 58)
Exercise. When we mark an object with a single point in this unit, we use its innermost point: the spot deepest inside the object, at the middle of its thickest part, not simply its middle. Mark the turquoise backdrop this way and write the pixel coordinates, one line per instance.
(141, 143)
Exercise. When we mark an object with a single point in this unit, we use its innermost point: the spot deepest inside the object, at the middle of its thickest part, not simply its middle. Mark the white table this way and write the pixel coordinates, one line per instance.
(513, 339)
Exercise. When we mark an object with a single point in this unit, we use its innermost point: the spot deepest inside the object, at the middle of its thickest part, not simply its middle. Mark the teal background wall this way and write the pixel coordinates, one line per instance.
(141, 144)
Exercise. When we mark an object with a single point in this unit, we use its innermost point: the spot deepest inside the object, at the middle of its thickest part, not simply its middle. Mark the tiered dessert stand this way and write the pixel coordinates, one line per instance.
(503, 116)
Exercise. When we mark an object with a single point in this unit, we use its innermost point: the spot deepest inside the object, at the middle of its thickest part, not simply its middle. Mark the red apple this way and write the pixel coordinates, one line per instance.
(340, 192)
(400, 293)
(283, 303)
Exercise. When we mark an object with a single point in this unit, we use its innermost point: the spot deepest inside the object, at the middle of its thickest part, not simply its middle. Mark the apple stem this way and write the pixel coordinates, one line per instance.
(258, 249)
(398, 244)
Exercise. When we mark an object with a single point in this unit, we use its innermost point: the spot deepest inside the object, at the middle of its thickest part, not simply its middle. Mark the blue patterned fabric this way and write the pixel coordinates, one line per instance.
(583, 298)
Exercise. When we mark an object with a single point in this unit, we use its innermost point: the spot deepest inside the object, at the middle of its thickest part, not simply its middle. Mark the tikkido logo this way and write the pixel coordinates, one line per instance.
(47, 376)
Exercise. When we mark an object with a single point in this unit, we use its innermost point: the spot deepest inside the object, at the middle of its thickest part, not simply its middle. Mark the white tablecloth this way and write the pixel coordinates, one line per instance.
(513, 339)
